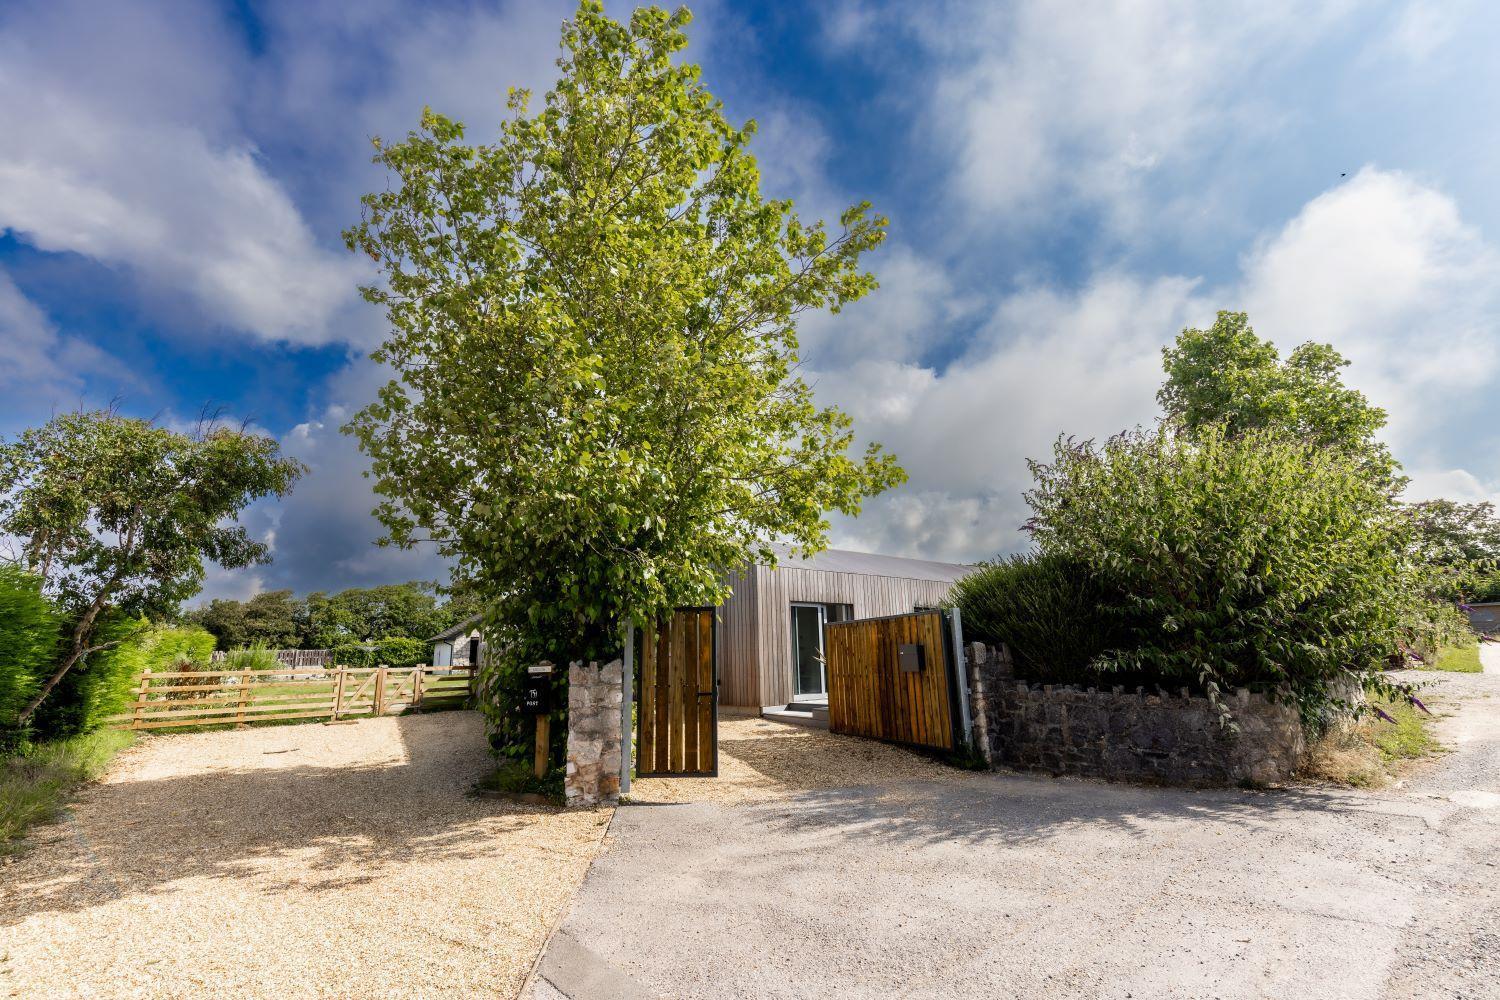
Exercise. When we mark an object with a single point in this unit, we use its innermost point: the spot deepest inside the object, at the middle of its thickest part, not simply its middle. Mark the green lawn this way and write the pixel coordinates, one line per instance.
(35, 783)
(1459, 659)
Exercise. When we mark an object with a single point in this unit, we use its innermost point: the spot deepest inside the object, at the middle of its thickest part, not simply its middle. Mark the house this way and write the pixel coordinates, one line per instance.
(771, 630)
(1484, 616)
(458, 646)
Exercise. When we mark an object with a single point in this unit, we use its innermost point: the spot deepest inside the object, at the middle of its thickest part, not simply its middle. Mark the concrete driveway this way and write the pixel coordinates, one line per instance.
(1006, 885)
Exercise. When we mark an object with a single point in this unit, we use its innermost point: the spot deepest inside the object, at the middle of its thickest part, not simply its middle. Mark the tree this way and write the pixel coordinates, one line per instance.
(117, 515)
(597, 408)
(399, 610)
(1461, 541)
(1229, 560)
(272, 618)
(1226, 375)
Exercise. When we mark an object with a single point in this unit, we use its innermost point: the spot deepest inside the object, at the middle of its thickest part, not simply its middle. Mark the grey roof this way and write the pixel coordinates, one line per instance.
(871, 564)
(462, 628)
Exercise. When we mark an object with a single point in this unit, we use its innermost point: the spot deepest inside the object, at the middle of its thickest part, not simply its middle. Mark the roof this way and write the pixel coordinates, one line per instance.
(461, 629)
(872, 564)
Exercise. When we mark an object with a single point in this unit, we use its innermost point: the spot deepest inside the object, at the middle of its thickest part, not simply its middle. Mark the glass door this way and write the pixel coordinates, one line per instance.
(809, 679)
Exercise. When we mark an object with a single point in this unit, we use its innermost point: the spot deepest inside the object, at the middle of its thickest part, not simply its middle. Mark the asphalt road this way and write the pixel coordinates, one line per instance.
(1012, 885)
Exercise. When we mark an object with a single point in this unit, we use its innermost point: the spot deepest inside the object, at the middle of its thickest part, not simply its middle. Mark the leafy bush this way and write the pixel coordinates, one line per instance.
(173, 650)
(97, 687)
(393, 652)
(1045, 608)
(28, 642)
(1255, 560)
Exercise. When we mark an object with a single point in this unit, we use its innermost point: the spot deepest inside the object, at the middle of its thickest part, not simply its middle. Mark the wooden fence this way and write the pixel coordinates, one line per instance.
(289, 657)
(894, 679)
(236, 697)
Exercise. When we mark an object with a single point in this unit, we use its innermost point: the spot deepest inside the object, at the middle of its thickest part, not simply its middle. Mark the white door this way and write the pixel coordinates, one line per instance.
(809, 670)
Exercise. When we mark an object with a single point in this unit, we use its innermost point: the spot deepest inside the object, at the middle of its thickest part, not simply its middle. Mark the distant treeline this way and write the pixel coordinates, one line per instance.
(278, 620)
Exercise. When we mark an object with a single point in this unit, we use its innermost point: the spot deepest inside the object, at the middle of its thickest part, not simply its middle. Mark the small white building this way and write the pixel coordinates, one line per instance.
(459, 646)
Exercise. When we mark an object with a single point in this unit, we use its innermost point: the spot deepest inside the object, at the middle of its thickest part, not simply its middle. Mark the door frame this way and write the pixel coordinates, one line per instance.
(822, 610)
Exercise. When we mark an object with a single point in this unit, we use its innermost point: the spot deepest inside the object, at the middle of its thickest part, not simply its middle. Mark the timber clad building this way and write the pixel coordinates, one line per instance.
(771, 637)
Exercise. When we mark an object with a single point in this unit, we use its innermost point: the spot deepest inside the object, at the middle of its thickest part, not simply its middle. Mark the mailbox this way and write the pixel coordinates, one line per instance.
(536, 696)
(910, 657)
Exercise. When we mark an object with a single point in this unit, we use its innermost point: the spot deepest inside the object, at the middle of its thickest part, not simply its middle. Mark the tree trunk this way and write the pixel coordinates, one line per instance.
(74, 655)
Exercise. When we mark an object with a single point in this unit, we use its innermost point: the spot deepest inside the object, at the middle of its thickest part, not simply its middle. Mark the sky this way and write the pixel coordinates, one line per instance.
(1069, 185)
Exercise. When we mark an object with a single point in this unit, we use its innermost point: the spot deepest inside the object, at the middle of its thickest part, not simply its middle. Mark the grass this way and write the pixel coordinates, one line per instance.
(36, 782)
(1459, 659)
(1408, 738)
(1367, 753)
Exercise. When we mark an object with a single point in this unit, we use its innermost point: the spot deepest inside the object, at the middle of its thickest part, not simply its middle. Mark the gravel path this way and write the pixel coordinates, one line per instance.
(310, 860)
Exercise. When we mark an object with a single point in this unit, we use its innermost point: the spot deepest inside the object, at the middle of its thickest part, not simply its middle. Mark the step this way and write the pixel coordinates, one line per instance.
(812, 715)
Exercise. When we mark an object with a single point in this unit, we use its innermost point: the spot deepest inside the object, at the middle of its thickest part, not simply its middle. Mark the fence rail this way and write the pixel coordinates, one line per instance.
(289, 657)
(236, 697)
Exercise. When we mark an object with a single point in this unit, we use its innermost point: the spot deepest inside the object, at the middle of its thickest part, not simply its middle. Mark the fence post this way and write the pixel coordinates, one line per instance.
(239, 719)
(379, 707)
(140, 698)
(418, 673)
(338, 692)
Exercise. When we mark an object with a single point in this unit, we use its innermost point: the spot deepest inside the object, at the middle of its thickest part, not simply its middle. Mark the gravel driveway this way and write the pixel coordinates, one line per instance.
(309, 860)
(1012, 885)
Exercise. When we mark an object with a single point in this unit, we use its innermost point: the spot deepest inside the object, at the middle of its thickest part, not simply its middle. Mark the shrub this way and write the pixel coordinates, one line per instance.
(28, 642)
(175, 651)
(393, 652)
(254, 657)
(97, 687)
(1254, 560)
(1045, 608)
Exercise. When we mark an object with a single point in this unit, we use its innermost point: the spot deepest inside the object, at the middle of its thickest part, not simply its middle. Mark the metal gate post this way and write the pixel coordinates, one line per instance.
(960, 664)
(627, 696)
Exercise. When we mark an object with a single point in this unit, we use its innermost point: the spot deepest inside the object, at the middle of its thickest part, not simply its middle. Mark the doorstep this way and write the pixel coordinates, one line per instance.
(813, 714)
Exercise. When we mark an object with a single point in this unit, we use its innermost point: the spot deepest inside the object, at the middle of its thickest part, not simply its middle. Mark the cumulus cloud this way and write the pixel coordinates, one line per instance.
(1382, 266)
(122, 147)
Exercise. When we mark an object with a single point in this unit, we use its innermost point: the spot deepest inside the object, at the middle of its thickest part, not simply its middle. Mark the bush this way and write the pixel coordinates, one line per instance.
(393, 652)
(28, 642)
(1045, 608)
(1256, 560)
(175, 651)
(97, 687)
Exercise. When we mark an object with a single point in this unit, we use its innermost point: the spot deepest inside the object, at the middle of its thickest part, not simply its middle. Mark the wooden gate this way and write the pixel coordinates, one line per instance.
(677, 712)
(894, 679)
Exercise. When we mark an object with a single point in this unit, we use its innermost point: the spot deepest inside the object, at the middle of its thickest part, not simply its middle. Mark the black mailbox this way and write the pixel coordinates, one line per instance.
(536, 696)
(909, 655)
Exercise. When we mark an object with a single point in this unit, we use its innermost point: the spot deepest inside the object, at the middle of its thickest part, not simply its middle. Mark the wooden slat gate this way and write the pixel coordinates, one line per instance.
(871, 694)
(677, 709)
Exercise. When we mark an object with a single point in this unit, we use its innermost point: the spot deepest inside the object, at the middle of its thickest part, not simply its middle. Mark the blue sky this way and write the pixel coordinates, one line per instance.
(1068, 186)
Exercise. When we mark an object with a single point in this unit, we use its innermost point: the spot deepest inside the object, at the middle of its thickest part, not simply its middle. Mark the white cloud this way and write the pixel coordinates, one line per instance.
(1382, 266)
(1385, 269)
(35, 358)
(121, 147)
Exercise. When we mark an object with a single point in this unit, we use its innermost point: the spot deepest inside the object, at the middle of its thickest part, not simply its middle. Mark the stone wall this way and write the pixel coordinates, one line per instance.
(1128, 735)
(594, 695)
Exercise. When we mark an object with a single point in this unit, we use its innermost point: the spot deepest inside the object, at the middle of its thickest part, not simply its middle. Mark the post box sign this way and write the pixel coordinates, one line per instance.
(536, 695)
(909, 655)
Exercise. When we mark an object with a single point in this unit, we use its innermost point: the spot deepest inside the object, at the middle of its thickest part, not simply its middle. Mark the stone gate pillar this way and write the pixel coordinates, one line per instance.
(594, 696)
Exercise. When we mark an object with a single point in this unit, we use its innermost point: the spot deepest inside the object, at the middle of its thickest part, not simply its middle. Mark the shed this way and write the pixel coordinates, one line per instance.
(771, 629)
(1484, 616)
(458, 646)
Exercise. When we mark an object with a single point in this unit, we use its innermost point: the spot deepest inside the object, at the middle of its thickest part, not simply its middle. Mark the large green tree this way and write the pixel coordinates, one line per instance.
(597, 408)
(117, 516)
(1227, 376)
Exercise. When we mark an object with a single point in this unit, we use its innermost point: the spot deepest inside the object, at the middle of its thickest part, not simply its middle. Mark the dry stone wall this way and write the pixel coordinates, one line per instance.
(1128, 735)
(593, 772)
